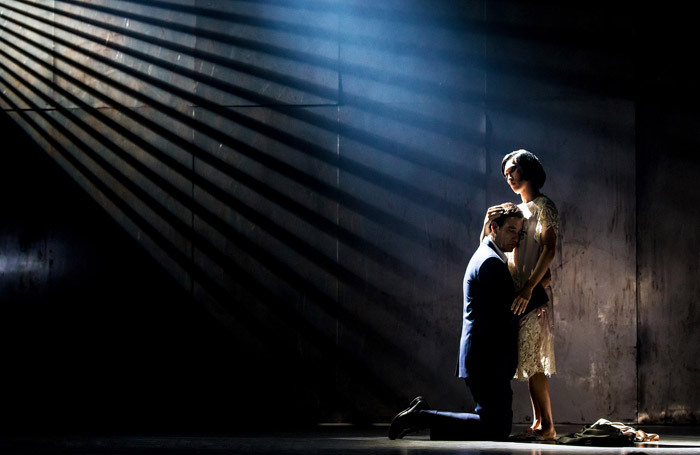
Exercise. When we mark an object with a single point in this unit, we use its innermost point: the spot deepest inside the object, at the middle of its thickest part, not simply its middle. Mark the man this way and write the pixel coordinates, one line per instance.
(488, 345)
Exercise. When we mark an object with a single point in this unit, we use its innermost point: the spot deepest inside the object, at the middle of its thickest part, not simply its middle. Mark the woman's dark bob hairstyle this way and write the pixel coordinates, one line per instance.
(530, 167)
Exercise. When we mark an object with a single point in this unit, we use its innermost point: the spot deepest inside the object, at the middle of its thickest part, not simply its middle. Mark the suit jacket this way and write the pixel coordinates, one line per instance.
(488, 345)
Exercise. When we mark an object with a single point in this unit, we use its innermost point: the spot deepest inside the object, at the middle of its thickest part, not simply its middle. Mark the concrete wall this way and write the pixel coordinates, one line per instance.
(668, 269)
(667, 236)
(314, 175)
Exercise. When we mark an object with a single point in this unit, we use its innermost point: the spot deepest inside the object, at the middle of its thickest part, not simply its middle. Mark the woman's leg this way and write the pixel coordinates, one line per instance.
(536, 412)
(541, 405)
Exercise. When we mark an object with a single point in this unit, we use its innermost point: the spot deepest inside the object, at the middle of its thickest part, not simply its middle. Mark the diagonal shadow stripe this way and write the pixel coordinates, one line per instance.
(385, 109)
(298, 245)
(448, 93)
(444, 247)
(356, 367)
(232, 268)
(329, 226)
(619, 86)
(416, 156)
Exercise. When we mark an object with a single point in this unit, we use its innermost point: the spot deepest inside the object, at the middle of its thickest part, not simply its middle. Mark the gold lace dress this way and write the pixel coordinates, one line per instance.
(536, 335)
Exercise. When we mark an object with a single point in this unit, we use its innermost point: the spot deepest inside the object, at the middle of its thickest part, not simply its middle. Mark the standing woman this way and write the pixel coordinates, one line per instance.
(529, 265)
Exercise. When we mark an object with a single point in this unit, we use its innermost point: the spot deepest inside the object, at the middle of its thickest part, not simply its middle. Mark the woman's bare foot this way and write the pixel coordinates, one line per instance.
(528, 434)
(548, 435)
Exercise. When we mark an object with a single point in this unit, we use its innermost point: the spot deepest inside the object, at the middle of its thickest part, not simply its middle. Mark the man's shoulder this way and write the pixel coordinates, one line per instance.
(493, 264)
(485, 257)
(485, 252)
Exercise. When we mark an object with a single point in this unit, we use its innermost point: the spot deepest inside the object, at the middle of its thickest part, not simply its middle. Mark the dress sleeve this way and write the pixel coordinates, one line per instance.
(547, 216)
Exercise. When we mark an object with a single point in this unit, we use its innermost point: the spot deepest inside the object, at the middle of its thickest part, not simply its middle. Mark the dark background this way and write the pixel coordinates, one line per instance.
(95, 335)
(229, 214)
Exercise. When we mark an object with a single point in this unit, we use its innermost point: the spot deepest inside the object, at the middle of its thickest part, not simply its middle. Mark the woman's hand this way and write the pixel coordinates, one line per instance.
(520, 302)
(491, 214)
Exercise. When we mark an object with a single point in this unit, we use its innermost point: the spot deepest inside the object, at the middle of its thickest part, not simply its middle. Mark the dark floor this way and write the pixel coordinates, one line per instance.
(332, 439)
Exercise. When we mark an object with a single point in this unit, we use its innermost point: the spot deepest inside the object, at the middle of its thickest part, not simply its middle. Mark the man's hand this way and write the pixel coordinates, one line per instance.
(520, 302)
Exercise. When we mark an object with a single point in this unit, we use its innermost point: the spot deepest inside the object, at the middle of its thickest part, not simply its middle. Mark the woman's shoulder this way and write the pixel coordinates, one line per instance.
(547, 212)
(544, 202)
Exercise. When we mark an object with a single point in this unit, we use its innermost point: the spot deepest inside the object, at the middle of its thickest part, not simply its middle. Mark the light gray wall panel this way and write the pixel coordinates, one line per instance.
(121, 48)
(261, 53)
(284, 184)
(25, 43)
(401, 51)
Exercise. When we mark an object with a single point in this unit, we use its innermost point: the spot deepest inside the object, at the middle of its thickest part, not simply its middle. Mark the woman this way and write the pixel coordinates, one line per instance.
(529, 265)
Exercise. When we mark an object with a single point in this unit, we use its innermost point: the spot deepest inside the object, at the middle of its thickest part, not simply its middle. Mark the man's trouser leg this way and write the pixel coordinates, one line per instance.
(492, 419)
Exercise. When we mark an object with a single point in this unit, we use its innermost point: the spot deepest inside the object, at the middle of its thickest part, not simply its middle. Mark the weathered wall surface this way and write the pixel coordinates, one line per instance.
(315, 175)
(667, 225)
(668, 267)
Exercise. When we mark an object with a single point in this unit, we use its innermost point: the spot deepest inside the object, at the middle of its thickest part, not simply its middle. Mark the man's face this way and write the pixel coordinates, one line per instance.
(508, 235)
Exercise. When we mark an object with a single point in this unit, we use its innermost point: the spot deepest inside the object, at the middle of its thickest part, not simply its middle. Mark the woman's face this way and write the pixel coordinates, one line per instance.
(513, 175)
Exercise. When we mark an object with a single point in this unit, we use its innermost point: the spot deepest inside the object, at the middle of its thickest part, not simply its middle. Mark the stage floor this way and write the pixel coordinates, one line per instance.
(332, 440)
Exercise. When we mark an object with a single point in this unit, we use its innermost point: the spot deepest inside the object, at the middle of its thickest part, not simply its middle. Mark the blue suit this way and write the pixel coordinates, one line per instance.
(487, 352)
(488, 344)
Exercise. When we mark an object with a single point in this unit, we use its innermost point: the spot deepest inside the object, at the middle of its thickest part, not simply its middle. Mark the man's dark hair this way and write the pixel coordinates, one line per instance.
(530, 167)
(510, 210)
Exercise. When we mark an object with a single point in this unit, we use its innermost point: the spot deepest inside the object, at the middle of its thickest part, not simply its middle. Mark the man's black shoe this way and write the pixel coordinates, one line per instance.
(407, 421)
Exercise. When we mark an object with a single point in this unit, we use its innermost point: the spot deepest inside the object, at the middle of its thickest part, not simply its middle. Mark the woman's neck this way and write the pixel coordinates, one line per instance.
(528, 193)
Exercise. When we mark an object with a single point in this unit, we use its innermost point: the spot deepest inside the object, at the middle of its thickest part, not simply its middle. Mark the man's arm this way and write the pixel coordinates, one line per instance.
(496, 283)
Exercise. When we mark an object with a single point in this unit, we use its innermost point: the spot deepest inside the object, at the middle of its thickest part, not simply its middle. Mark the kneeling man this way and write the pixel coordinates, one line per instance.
(488, 346)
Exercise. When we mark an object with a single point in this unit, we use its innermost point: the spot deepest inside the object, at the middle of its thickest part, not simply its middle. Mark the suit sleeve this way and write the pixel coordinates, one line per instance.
(500, 325)
(496, 282)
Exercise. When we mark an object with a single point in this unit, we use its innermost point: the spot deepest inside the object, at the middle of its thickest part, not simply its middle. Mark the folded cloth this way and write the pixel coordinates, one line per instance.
(598, 435)
(639, 435)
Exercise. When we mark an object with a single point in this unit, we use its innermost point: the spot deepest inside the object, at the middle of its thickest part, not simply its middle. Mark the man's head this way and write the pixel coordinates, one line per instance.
(506, 229)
